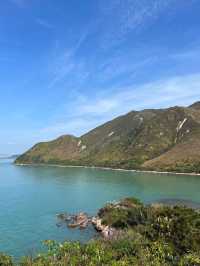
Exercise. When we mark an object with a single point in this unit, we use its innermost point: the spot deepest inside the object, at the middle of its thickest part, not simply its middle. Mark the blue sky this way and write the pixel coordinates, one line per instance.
(68, 66)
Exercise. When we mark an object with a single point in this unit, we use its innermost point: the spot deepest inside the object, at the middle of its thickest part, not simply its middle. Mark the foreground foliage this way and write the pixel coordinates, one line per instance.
(146, 235)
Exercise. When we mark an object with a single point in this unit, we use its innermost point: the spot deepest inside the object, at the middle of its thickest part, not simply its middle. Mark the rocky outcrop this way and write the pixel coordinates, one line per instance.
(82, 221)
(106, 231)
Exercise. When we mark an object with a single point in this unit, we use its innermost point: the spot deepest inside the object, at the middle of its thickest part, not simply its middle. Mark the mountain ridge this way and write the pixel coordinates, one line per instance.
(151, 139)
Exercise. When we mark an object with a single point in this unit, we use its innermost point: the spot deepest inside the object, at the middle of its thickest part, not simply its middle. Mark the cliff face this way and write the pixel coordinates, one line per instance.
(164, 139)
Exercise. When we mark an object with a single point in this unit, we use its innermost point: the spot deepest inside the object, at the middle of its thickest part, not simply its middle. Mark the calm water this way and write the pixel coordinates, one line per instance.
(30, 198)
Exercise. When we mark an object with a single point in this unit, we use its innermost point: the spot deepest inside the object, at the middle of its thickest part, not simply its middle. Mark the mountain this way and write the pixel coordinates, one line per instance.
(162, 139)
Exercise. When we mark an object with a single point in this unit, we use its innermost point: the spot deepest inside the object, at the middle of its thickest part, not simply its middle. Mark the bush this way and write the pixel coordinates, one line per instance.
(5, 260)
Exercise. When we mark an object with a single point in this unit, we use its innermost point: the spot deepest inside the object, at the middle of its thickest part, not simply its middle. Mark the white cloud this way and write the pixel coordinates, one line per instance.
(180, 90)
(99, 107)
(123, 65)
(11, 143)
(87, 113)
(76, 126)
(44, 23)
(65, 63)
(129, 15)
(191, 54)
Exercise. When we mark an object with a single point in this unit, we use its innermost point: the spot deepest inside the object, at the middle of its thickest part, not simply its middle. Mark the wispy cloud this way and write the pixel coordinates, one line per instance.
(181, 90)
(90, 112)
(76, 126)
(67, 67)
(123, 65)
(11, 143)
(44, 23)
(65, 63)
(190, 54)
(129, 15)
(116, 19)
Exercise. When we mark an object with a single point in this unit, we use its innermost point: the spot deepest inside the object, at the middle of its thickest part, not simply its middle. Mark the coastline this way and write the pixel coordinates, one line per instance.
(107, 168)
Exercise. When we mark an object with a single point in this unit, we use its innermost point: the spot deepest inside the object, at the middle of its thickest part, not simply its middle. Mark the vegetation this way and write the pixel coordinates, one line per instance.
(5, 260)
(146, 236)
(164, 140)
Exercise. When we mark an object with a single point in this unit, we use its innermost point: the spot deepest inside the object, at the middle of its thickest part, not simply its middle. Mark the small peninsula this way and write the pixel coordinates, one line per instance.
(132, 234)
(166, 140)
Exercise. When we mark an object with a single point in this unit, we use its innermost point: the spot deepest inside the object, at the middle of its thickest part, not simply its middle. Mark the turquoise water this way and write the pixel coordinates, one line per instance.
(30, 198)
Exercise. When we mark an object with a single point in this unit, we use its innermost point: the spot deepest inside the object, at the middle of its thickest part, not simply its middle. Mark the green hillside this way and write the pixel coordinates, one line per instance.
(163, 139)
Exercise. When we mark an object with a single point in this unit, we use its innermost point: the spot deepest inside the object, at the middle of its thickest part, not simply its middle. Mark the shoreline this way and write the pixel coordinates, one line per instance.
(107, 168)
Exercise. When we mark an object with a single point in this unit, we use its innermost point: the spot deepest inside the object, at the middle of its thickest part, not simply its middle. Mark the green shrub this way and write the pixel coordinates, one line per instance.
(5, 260)
(190, 260)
